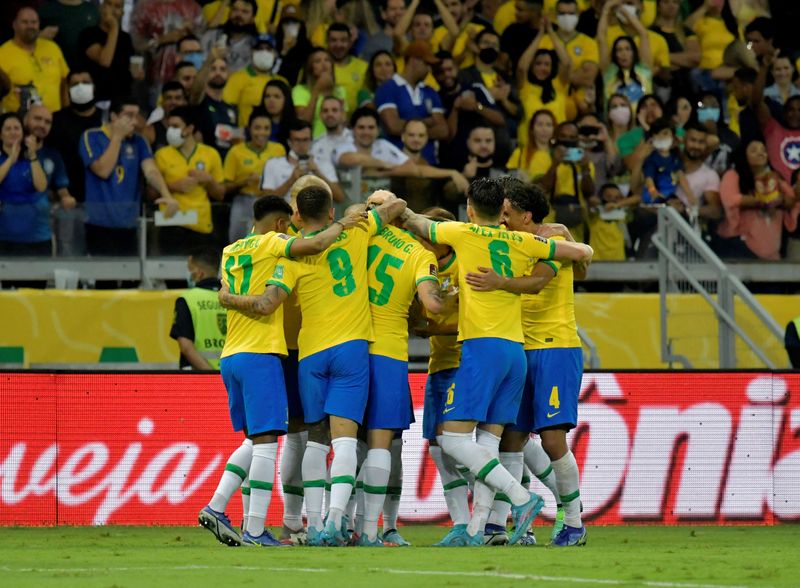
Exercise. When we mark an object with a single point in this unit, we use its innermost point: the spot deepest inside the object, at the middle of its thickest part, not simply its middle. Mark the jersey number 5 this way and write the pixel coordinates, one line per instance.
(243, 263)
(501, 262)
(381, 273)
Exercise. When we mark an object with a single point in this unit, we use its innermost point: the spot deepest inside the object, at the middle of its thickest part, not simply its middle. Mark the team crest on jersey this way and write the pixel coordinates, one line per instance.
(222, 323)
(540, 239)
(129, 150)
(48, 166)
(578, 50)
(278, 273)
(200, 165)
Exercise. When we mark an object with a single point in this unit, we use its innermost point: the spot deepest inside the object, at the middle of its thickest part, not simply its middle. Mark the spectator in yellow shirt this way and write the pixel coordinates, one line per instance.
(624, 17)
(582, 50)
(245, 88)
(716, 28)
(35, 66)
(350, 71)
(533, 159)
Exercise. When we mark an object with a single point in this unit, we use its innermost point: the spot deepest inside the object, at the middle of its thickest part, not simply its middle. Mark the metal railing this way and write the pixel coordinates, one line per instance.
(688, 266)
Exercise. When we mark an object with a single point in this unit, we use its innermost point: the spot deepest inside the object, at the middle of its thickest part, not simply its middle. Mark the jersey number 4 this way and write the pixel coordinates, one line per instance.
(382, 274)
(234, 264)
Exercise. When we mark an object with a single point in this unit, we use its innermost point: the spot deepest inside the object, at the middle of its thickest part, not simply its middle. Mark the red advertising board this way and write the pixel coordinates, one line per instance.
(143, 449)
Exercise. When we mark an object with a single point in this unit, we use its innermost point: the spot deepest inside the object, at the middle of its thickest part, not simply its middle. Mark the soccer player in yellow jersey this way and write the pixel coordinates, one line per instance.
(488, 393)
(555, 366)
(399, 267)
(333, 342)
(251, 368)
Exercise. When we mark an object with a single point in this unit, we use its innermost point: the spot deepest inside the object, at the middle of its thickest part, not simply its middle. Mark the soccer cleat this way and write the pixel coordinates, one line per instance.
(456, 537)
(570, 537)
(558, 524)
(523, 516)
(220, 525)
(495, 535)
(528, 539)
(292, 537)
(394, 537)
(475, 540)
(264, 540)
(315, 538)
(364, 541)
(333, 537)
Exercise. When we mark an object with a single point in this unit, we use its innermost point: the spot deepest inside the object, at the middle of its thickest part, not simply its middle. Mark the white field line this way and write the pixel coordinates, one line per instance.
(440, 573)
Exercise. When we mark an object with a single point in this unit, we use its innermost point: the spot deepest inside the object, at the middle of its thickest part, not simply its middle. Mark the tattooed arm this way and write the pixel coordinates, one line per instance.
(262, 305)
(430, 295)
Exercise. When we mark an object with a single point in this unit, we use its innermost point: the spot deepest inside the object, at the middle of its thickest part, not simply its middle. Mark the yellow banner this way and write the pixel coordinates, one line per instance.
(84, 327)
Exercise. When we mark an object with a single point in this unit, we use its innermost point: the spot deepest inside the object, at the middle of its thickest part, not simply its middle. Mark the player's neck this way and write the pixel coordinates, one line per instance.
(310, 227)
(486, 222)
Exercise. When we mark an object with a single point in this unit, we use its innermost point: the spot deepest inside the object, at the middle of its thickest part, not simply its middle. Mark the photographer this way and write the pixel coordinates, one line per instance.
(281, 172)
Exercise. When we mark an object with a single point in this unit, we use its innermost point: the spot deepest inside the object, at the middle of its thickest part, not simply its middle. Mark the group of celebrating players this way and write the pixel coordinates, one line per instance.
(494, 295)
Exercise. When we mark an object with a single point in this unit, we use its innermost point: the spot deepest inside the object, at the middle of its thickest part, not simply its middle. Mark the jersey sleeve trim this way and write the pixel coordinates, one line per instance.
(378, 221)
(287, 250)
(551, 265)
(280, 285)
(432, 233)
(552, 249)
(426, 278)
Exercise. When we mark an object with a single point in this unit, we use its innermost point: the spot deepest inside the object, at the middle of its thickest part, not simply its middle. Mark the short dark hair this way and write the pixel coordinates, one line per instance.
(314, 203)
(182, 64)
(746, 75)
(119, 104)
(659, 125)
(251, 3)
(258, 112)
(607, 186)
(763, 25)
(189, 37)
(361, 113)
(486, 196)
(185, 113)
(485, 31)
(527, 198)
(77, 71)
(270, 205)
(299, 124)
(207, 256)
(693, 125)
(173, 86)
(338, 27)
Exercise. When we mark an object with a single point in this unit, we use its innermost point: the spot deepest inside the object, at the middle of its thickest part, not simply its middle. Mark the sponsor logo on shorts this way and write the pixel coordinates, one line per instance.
(551, 415)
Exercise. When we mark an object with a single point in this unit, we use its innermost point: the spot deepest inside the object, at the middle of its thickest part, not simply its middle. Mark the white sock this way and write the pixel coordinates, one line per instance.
(343, 477)
(235, 473)
(526, 476)
(360, 504)
(352, 504)
(294, 446)
(262, 477)
(502, 505)
(539, 464)
(568, 481)
(245, 502)
(453, 484)
(376, 477)
(394, 491)
(315, 467)
(483, 495)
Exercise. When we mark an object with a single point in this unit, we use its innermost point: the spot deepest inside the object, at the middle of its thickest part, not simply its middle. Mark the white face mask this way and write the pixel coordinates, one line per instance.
(662, 144)
(620, 115)
(175, 137)
(81, 93)
(291, 29)
(263, 59)
(567, 22)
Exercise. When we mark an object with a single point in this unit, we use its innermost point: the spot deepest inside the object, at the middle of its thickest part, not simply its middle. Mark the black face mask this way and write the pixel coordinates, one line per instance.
(488, 55)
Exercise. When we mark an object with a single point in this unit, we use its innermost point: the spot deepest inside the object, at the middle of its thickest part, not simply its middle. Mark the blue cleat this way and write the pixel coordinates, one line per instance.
(570, 537)
(264, 540)
(315, 538)
(523, 516)
(220, 525)
(364, 541)
(495, 535)
(456, 537)
(333, 537)
(394, 537)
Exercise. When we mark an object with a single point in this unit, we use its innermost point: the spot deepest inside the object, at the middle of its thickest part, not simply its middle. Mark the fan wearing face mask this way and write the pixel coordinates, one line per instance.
(663, 168)
(583, 50)
(624, 18)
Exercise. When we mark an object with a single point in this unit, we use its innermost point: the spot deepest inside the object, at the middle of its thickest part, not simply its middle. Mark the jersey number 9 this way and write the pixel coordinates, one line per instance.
(341, 269)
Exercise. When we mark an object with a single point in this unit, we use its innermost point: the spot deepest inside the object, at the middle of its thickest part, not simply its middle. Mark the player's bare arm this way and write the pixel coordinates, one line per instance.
(430, 295)
(578, 252)
(488, 280)
(324, 239)
(262, 305)
(548, 230)
(388, 206)
(416, 223)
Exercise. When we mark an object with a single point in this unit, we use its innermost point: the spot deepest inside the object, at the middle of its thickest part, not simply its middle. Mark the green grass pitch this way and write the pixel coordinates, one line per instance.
(658, 557)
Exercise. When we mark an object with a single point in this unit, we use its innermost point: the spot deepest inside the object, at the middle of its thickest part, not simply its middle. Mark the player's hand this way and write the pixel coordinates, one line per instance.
(460, 182)
(501, 90)
(68, 202)
(171, 206)
(31, 145)
(123, 126)
(355, 219)
(202, 177)
(471, 169)
(379, 197)
(554, 230)
(486, 280)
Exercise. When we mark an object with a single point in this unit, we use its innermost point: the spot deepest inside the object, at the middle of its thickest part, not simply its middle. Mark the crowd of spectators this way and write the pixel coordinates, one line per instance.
(188, 110)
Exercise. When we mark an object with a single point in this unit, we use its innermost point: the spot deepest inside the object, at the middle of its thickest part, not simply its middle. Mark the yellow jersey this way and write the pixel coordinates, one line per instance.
(243, 160)
(247, 264)
(351, 78)
(531, 97)
(174, 166)
(245, 90)
(490, 314)
(506, 15)
(581, 49)
(535, 168)
(44, 67)
(658, 45)
(714, 37)
(548, 318)
(333, 290)
(267, 13)
(396, 264)
(292, 319)
(445, 349)
(461, 43)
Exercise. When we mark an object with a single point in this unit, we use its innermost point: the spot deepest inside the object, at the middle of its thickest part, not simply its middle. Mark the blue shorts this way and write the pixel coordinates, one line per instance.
(335, 381)
(290, 367)
(489, 382)
(256, 392)
(551, 389)
(389, 405)
(436, 388)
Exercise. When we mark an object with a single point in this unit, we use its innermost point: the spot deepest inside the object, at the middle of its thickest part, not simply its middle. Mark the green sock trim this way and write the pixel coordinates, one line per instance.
(246, 490)
(485, 470)
(313, 483)
(327, 486)
(454, 484)
(374, 489)
(570, 497)
(463, 470)
(545, 473)
(257, 485)
(344, 480)
(502, 497)
(525, 480)
(394, 490)
(360, 485)
(295, 490)
(232, 467)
